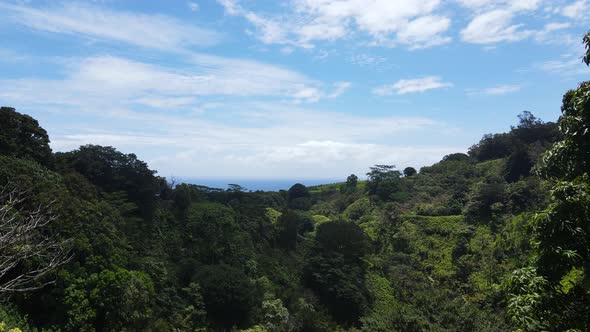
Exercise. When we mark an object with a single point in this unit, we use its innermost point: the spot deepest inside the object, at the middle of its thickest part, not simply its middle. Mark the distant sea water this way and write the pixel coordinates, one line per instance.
(256, 184)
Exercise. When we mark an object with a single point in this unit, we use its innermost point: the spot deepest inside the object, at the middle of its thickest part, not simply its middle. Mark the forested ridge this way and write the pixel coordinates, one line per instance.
(493, 240)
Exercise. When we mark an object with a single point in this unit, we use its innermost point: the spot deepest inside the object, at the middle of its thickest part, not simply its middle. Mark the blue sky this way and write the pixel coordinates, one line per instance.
(289, 89)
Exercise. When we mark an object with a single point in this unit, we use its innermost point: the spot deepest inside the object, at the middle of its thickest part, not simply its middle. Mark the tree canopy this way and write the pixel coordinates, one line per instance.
(22, 137)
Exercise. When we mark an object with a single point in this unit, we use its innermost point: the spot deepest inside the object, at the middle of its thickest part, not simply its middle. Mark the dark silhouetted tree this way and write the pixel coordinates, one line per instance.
(335, 269)
(351, 181)
(298, 191)
(288, 225)
(229, 295)
(410, 171)
(299, 197)
(518, 165)
(457, 157)
(22, 137)
(491, 146)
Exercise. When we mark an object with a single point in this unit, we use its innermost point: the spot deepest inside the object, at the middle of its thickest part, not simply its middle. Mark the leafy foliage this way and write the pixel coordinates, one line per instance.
(228, 295)
(335, 269)
(22, 137)
(299, 197)
(554, 291)
(110, 300)
(383, 181)
(410, 171)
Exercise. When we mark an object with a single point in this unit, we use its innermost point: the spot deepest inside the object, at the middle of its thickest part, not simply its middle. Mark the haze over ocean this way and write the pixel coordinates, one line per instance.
(256, 184)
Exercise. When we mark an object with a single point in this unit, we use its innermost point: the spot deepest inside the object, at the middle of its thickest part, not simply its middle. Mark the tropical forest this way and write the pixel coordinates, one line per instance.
(495, 237)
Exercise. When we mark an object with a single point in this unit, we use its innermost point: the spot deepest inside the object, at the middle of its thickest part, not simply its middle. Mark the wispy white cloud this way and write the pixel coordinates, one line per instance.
(497, 90)
(513, 5)
(563, 67)
(340, 88)
(577, 10)
(425, 31)
(152, 31)
(510, 20)
(10, 56)
(101, 78)
(414, 24)
(497, 21)
(367, 60)
(193, 6)
(405, 22)
(554, 26)
(551, 33)
(312, 95)
(166, 102)
(414, 85)
(207, 106)
(494, 26)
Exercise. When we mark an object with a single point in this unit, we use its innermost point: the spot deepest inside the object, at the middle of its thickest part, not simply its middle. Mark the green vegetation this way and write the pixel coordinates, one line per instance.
(553, 291)
(445, 248)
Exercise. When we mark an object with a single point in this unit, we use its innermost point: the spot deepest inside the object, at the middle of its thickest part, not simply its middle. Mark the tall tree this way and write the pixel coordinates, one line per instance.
(22, 137)
(351, 181)
(298, 191)
(228, 294)
(410, 171)
(287, 230)
(114, 171)
(299, 197)
(336, 270)
(554, 292)
(518, 165)
(383, 181)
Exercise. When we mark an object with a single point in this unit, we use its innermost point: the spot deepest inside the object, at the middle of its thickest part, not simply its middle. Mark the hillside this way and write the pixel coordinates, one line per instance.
(427, 250)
